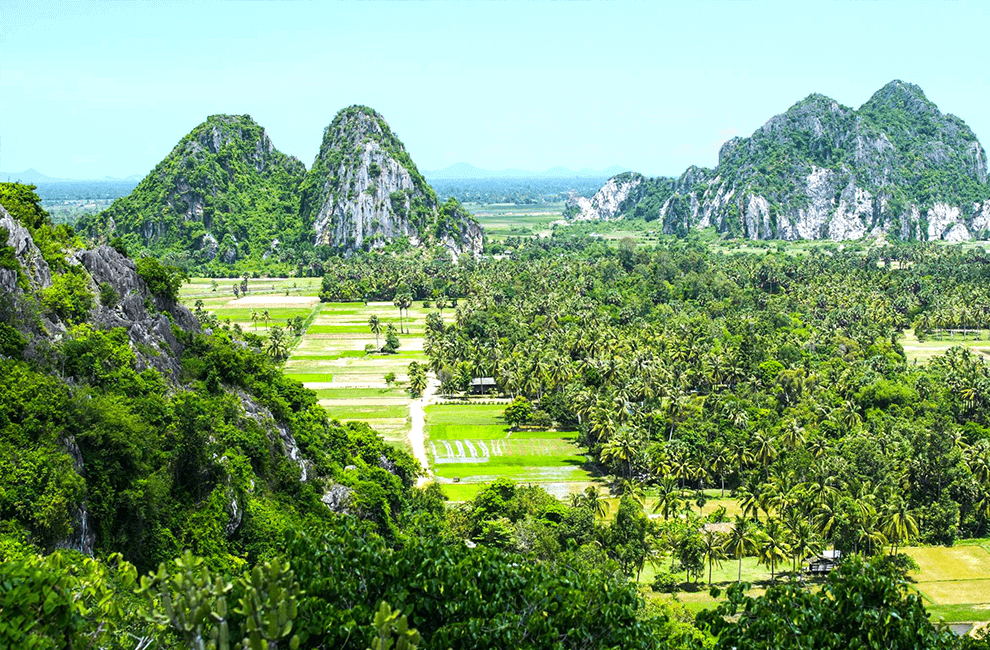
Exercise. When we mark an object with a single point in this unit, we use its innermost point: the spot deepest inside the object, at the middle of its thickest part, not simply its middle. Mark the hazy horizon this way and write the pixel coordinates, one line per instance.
(94, 89)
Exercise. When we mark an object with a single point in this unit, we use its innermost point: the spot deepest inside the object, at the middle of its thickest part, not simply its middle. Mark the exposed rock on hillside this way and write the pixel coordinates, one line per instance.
(150, 332)
(618, 193)
(821, 170)
(223, 190)
(364, 191)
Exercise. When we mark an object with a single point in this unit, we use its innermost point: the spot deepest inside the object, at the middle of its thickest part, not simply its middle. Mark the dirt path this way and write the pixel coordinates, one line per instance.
(417, 437)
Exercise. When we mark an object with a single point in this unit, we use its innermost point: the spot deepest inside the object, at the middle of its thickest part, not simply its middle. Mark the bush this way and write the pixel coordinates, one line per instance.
(108, 295)
(665, 583)
(541, 419)
(69, 297)
(163, 281)
(11, 341)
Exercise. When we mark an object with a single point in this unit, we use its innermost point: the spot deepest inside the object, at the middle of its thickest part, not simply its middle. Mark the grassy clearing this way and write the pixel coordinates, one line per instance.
(365, 412)
(954, 582)
(202, 287)
(241, 314)
(923, 351)
(310, 377)
(354, 393)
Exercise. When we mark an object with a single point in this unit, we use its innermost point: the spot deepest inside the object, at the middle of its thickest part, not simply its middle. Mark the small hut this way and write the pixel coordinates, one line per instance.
(482, 385)
(824, 563)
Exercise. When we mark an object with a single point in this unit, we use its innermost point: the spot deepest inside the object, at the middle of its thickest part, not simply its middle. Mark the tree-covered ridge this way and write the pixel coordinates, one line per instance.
(364, 191)
(125, 428)
(224, 193)
(896, 165)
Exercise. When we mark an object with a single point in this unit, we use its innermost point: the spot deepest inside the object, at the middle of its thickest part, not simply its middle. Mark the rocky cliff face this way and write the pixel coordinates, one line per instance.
(364, 191)
(150, 331)
(618, 193)
(223, 190)
(896, 166)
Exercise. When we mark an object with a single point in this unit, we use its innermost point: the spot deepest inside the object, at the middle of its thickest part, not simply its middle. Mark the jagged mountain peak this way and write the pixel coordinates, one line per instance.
(901, 93)
(220, 129)
(897, 166)
(364, 191)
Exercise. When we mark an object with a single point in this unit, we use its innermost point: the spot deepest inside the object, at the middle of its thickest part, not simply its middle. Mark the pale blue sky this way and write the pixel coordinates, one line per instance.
(107, 88)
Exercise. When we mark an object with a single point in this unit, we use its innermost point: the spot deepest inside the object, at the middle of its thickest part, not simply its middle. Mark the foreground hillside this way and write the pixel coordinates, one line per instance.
(896, 166)
(157, 435)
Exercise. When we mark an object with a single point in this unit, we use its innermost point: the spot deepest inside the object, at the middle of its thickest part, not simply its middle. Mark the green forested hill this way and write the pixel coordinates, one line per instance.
(821, 170)
(224, 193)
(225, 198)
(127, 428)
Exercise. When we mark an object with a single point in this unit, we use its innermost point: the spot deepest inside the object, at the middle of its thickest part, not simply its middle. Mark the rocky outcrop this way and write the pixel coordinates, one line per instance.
(608, 202)
(150, 332)
(364, 191)
(896, 166)
(32, 265)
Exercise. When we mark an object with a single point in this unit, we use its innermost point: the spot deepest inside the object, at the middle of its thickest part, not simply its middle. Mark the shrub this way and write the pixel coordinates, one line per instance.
(163, 281)
(11, 341)
(108, 295)
(69, 297)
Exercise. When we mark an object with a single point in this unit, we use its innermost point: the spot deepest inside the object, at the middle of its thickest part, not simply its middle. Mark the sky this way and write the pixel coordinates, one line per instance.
(94, 89)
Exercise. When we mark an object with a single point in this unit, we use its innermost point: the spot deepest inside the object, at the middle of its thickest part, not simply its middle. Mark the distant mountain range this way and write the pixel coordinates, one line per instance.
(467, 171)
(34, 176)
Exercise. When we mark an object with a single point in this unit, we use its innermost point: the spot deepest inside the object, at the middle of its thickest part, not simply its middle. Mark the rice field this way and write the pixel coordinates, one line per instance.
(330, 357)
(954, 582)
(472, 445)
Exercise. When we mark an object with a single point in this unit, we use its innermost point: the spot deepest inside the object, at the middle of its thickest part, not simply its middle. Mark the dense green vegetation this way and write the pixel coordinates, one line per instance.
(224, 193)
(777, 377)
(222, 506)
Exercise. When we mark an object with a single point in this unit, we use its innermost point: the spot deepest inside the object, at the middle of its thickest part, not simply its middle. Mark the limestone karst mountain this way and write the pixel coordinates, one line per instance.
(224, 191)
(364, 191)
(896, 166)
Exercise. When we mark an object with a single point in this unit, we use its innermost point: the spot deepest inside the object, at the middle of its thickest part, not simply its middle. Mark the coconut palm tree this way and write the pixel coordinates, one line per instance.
(772, 548)
(869, 536)
(741, 541)
(632, 488)
(719, 462)
(622, 447)
(277, 346)
(803, 542)
(595, 499)
(376, 328)
(898, 523)
(792, 436)
(668, 498)
(714, 546)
